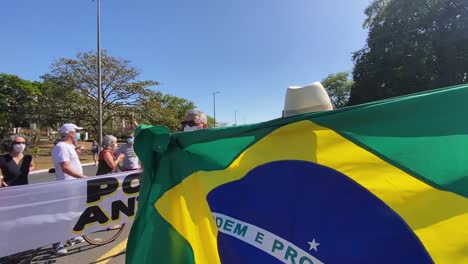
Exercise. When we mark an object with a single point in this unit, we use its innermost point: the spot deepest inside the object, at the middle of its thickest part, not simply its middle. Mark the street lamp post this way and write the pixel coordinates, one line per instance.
(99, 71)
(214, 108)
(235, 117)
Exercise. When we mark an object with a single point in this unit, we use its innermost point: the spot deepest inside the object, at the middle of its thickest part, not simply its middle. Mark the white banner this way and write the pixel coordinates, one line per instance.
(37, 215)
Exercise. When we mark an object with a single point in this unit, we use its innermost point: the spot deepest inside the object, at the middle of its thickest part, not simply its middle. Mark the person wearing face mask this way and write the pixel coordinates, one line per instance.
(130, 160)
(67, 167)
(15, 166)
(194, 120)
(108, 159)
(66, 162)
(79, 149)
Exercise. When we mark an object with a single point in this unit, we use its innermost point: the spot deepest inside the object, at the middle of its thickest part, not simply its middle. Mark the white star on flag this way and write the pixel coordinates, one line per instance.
(313, 245)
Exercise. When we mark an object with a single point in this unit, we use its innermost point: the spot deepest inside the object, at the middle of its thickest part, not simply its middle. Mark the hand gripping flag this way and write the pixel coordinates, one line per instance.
(384, 182)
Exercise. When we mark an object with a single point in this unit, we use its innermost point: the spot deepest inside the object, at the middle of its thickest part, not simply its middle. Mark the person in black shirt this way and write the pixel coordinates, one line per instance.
(108, 160)
(15, 166)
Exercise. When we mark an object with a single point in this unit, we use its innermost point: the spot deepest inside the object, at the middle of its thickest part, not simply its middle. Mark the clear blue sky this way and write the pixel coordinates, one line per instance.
(248, 50)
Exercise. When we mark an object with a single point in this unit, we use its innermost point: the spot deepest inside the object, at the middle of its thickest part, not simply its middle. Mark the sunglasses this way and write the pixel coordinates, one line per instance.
(17, 143)
(190, 123)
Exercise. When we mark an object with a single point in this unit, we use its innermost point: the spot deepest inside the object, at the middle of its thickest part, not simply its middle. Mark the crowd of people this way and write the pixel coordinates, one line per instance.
(15, 166)
(109, 158)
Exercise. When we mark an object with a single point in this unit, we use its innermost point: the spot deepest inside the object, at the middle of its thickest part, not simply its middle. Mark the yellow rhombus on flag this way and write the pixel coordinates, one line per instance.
(384, 182)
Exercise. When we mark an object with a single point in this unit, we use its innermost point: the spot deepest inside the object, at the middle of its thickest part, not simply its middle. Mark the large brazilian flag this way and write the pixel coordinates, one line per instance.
(384, 182)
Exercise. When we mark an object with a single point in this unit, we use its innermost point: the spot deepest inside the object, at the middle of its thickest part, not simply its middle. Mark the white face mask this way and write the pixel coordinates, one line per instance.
(115, 146)
(189, 128)
(19, 147)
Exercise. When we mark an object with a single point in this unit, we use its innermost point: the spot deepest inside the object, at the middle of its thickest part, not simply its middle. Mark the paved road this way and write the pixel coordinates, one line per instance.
(45, 176)
(112, 253)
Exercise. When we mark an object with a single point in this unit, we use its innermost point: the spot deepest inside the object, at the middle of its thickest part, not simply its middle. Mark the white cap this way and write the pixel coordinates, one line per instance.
(69, 128)
(306, 99)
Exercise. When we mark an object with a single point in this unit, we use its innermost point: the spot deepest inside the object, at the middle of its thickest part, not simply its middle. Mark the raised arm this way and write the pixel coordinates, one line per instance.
(111, 161)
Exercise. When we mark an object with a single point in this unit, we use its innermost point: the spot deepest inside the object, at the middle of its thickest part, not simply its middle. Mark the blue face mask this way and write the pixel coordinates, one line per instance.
(77, 136)
(130, 140)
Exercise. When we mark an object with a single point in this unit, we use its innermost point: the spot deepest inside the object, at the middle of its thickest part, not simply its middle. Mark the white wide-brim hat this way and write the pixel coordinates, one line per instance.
(306, 99)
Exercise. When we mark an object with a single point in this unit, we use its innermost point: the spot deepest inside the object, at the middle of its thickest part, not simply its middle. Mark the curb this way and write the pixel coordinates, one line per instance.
(47, 170)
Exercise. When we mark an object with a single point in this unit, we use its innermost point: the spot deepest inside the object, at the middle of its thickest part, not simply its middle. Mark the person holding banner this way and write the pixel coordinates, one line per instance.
(108, 160)
(15, 166)
(64, 156)
(67, 167)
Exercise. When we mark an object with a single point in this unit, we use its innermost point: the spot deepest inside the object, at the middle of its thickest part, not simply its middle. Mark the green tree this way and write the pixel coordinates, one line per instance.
(210, 121)
(338, 87)
(58, 105)
(76, 80)
(18, 102)
(412, 46)
(157, 108)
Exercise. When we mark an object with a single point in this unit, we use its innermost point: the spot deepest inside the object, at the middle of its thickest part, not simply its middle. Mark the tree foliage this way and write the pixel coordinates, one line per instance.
(18, 99)
(412, 46)
(338, 87)
(162, 109)
(76, 79)
(58, 105)
(68, 93)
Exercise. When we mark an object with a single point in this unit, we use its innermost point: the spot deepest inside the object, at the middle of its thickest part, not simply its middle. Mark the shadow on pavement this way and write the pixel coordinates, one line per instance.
(110, 257)
(44, 255)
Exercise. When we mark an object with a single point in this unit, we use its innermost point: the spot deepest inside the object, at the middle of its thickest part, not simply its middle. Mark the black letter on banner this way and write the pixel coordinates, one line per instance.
(101, 187)
(126, 185)
(90, 215)
(119, 206)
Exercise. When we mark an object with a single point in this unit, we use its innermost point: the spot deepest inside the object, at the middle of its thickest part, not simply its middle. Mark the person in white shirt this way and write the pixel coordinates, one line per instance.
(67, 167)
(66, 162)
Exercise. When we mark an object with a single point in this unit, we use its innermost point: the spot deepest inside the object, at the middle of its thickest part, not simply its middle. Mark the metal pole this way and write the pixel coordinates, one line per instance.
(99, 72)
(235, 117)
(214, 108)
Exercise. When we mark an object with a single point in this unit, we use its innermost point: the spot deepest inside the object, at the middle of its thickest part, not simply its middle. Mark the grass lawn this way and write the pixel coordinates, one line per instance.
(44, 159)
